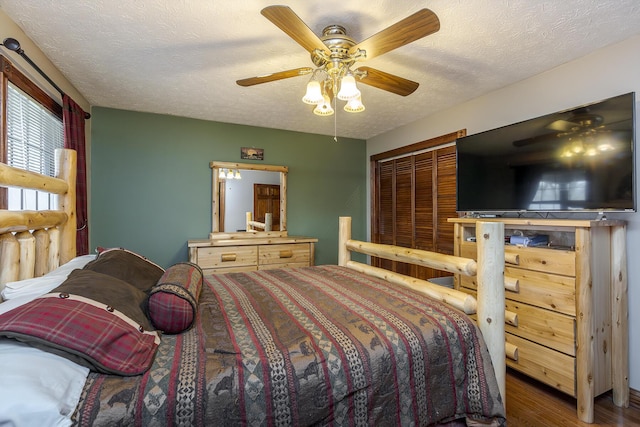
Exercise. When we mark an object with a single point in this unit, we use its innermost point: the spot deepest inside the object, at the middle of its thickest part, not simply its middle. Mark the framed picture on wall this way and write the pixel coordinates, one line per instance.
(252, 153)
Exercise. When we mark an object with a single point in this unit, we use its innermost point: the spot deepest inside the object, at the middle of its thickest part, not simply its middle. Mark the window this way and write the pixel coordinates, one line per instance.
(34, 130)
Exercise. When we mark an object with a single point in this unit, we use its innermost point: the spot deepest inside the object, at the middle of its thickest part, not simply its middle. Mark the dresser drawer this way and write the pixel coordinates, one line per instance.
(548, 328)
(550, 291)
(548, 366)
(293, 253)
(227, 256)
(546, 260)
(237, 269)
(285, 265)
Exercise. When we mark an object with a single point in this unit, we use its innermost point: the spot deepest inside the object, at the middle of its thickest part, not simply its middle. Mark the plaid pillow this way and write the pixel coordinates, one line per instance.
(92, 319)
(173, 302)
(129, 266)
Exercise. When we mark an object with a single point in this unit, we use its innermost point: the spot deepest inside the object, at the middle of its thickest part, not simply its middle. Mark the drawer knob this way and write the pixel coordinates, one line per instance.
(512, 259)
(511, 318)
(228, 257)
(511, 351)
(511, 284)
(286, 253)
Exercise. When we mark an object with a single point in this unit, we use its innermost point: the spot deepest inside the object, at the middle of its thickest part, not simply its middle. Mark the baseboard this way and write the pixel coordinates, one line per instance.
(634, 398)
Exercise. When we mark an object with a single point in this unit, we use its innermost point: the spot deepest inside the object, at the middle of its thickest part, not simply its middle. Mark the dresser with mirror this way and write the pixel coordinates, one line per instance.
(249, 222)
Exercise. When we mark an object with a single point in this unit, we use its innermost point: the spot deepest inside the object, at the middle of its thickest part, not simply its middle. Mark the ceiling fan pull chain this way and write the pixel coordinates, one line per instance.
(335, 121)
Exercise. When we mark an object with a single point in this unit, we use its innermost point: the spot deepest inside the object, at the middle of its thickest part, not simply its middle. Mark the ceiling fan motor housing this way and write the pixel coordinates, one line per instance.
(336, 39)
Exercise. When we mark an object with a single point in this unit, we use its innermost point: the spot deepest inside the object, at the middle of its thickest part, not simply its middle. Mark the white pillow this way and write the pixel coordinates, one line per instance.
(41, 285)
(38, 388)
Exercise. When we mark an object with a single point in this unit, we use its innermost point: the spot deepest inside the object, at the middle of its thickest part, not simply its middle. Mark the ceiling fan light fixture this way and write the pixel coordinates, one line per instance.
(354, 105)
(314, 93)
(324, 108)
(348, 88)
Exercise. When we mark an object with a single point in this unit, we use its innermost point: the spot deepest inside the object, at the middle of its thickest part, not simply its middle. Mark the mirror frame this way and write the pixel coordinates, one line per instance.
(215, 189)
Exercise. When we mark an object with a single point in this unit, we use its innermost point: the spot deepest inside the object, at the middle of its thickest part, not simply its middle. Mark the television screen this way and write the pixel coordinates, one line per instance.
(576, 160)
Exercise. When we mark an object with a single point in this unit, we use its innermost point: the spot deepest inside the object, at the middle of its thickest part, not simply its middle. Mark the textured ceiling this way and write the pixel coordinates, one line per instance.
(182, 57)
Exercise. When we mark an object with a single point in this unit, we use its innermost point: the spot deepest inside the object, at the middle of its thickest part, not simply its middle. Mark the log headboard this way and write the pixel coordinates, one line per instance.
(33, 243)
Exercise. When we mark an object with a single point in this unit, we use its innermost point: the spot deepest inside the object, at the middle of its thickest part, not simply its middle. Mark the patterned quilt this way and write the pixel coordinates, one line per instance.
(309, 346)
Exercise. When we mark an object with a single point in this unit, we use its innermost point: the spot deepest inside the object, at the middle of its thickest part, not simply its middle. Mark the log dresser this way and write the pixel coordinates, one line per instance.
(231, 252)
(566, 304)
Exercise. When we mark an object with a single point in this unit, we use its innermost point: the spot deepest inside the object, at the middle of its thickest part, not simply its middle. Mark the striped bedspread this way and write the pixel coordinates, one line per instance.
(309, 346)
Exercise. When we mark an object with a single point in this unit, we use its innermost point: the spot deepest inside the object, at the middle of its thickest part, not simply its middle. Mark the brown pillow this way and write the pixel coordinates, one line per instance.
(129, 266)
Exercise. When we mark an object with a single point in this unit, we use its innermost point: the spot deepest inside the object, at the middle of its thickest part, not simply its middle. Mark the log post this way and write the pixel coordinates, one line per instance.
(620, 317)
(9, 258)
(249, 218)
(66, 165)
(54, 249)
(42, 252)
(268, 222)
(491, 316)
(27, 263)
(344, 235)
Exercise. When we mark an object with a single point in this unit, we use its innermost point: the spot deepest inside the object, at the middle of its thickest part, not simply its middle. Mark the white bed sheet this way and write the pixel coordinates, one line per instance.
(41, 285)
(37, 388)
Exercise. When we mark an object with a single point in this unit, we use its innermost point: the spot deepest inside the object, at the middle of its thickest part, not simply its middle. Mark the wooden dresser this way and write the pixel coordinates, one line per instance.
(231, 252)
(566, 304)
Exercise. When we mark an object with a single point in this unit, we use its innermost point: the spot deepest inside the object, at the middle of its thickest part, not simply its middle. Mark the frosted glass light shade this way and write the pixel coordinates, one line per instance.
(314, 93)
(348, 88)
(324, 108)
(354, 105)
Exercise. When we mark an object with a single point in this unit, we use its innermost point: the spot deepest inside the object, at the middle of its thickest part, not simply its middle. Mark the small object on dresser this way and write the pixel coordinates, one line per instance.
(535, 240)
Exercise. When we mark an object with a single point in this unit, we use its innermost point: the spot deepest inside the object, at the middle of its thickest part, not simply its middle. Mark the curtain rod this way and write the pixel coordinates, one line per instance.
(14, 45)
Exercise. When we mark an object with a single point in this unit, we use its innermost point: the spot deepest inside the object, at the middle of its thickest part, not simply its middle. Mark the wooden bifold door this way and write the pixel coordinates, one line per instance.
(413, 194)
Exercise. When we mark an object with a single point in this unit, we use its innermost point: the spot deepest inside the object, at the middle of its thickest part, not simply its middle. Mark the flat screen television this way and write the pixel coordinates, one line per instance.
(576, 160)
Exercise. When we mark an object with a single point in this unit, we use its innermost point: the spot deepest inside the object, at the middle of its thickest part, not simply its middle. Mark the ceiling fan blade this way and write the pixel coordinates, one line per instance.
(285, 18)
(274, 76)
(414, 27)
(388, 82)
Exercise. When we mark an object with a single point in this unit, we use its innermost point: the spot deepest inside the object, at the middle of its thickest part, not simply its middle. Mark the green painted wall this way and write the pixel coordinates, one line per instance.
(151, 181)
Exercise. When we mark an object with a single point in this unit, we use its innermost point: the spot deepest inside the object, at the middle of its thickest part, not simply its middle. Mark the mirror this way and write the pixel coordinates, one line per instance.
(256, 179)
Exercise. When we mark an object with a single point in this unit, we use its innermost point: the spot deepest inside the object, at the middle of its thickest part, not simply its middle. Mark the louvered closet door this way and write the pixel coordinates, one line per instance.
(403, 220)
(413, 197)
(424, 208)
(385, 207)
(446, 200)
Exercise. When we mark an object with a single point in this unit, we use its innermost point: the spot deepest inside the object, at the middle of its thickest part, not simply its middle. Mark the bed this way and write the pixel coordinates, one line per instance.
(348, 344)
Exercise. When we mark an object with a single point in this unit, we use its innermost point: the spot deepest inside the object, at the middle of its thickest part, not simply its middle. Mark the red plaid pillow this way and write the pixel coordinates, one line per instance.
(173, 302)
(92, 319)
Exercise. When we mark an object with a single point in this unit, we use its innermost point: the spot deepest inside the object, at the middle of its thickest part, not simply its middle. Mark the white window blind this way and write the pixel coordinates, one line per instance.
(33, 135)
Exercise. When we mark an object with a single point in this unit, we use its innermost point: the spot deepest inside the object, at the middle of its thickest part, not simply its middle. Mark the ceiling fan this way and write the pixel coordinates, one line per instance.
(334, 53)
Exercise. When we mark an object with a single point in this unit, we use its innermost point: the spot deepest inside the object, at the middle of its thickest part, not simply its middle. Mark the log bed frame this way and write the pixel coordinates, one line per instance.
(33, 243)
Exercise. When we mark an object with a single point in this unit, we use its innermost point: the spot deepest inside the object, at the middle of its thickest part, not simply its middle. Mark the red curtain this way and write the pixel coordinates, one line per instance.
(73, 118)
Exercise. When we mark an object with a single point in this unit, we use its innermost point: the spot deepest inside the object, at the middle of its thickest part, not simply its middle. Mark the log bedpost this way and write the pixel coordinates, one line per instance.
(491, 311)
(66, 161)
(344, 234)
(268, 222)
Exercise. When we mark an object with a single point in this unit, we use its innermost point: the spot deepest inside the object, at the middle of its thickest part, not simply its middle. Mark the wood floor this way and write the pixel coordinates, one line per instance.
(530, 403)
